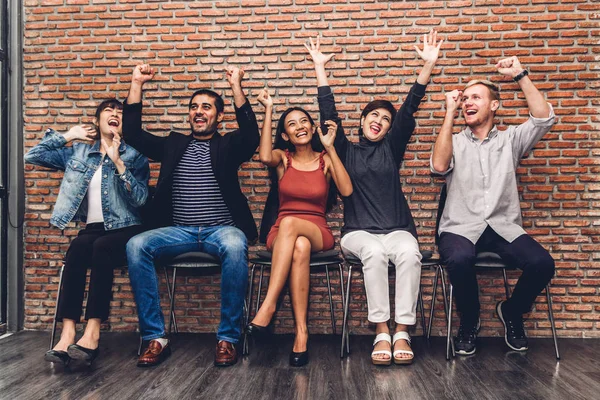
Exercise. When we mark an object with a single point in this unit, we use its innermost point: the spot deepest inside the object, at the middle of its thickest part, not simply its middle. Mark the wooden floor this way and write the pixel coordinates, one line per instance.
(493, 373)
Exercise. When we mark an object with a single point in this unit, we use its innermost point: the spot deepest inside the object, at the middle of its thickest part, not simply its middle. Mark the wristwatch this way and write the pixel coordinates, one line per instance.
(521, 75)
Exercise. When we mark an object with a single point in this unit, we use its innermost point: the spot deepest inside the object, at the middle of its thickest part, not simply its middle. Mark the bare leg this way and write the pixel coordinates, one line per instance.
(299, 285)
(402, 344)
(91, 336)
(382, 327)
(290, 229)
(67, 335)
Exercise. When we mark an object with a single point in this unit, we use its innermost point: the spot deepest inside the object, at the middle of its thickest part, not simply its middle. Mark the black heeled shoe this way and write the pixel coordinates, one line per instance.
(298, 359)
(77, 352)
(257, 331)
(58, 357)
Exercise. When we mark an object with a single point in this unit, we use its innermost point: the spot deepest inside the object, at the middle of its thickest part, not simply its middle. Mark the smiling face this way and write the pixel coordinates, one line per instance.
(298, 128)
(110, 120)
(478, 105)
(376, 124)
(203, 115)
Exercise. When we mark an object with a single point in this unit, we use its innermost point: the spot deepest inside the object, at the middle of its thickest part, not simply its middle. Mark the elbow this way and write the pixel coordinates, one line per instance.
(265, 159)
(439, 166)
(346, 191)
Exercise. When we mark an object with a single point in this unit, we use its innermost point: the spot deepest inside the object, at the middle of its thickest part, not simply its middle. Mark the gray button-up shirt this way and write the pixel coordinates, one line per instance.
(481, 180)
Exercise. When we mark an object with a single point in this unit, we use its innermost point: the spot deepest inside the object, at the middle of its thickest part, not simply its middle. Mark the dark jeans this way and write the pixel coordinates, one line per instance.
(458, 254)
(101, 251)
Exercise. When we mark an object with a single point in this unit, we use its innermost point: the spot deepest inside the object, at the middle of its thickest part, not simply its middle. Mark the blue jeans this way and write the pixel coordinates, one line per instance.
(226, 242)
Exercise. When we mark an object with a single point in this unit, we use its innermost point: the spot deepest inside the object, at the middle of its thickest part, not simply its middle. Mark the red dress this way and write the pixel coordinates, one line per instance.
(303, 194)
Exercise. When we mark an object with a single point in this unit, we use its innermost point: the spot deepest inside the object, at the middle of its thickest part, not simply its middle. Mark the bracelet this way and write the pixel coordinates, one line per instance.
(521, 75)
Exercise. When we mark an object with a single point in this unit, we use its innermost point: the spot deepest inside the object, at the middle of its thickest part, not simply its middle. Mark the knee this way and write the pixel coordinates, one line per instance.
(459, 260)
(233, 243)
(287, 226)
(543, 264)
(135, 246)
(407, 253)
(302, 249)
(374, 256)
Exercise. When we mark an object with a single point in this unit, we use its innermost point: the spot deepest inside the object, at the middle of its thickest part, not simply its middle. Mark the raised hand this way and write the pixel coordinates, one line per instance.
(265, 99)
(315, 52)
(510, 66)
(85, 133)
(431, 49)
(234, 76)
(453, 101)
(328, 139)
(112, 150)
(142, 74)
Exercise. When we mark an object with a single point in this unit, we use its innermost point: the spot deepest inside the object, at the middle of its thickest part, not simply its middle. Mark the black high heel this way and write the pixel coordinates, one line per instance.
(77, 352)
(257, 331)
(298, 359)
(58, 357)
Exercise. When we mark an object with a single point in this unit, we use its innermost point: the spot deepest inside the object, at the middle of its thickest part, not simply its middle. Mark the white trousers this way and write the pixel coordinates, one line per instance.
(375, 251)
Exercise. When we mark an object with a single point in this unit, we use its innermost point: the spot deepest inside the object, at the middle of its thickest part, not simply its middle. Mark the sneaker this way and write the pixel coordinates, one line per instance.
(514, 331)
(464, 341)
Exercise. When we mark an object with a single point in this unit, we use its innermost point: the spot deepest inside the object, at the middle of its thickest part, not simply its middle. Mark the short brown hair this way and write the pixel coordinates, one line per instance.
(492, 87)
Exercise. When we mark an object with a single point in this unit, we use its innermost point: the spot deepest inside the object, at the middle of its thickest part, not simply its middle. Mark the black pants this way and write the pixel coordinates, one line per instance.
(458, 254)
(101, 251)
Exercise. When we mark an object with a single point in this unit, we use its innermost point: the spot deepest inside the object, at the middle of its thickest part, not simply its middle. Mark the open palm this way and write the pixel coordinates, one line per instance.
(431, 48)
(315, 52)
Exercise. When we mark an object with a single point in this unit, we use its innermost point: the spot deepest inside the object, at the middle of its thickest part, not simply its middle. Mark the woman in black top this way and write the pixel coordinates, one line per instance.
(378, 226)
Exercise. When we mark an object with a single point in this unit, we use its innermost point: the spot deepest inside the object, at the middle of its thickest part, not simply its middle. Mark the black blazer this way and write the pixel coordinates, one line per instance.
(227, 153)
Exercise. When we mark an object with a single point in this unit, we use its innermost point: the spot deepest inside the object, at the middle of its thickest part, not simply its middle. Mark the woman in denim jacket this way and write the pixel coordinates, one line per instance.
(105, 184)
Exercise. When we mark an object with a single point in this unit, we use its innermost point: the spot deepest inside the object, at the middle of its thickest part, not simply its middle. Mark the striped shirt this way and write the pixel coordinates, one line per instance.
(197, 198)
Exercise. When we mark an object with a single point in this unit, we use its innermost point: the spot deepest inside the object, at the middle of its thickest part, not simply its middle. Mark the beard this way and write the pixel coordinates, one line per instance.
(202, 133)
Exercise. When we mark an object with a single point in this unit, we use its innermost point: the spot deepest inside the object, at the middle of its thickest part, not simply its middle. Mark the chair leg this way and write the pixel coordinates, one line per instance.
(172, 308)
(330, 300)
(434, 294)
(342, 286)
(245, 347)
(506, 288)
(60, 277)
(551, 316)
(172, 315)
(345, 335)
(447, 308)
(260, 281)
(140, 346)
(449, 331)
(421, 305)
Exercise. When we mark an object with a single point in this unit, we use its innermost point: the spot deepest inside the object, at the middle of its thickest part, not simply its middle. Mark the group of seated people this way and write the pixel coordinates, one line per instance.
(198, 205)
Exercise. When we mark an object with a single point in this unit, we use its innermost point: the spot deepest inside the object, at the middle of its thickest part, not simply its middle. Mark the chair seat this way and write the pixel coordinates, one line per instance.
(426, 259)
(193, 259)
(316, 259)
(488, 259)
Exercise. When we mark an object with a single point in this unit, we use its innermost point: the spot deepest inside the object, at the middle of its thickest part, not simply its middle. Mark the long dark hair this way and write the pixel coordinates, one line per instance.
(272, 204)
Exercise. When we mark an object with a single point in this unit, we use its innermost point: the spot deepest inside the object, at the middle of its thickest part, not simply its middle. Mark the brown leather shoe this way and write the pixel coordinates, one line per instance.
(154, 354)
(225, 354)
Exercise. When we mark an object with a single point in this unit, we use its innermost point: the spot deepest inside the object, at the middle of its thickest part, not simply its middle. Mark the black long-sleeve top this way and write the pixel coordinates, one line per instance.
(377, 204)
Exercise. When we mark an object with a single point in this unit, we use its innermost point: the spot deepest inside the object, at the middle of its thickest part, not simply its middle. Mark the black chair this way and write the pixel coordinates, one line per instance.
(483, 261)
(317, 260)
(427, 261)
(60, 288)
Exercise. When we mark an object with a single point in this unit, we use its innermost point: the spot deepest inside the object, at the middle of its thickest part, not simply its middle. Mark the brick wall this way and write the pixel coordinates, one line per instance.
(78, 52)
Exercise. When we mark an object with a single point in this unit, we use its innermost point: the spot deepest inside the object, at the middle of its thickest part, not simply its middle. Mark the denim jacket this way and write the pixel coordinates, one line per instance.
(122, 195)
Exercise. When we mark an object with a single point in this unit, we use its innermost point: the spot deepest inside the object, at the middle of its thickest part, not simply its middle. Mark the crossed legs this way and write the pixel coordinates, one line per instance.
(296, 239)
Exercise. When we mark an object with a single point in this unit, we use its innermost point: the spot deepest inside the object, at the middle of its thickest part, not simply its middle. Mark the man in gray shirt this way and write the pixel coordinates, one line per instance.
(482, 210)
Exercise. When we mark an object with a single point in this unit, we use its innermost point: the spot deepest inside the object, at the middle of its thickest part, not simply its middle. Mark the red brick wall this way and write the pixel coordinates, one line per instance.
(78, 52)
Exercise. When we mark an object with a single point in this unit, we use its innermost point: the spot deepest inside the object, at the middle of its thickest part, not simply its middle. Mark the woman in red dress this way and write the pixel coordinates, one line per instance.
(303, 178)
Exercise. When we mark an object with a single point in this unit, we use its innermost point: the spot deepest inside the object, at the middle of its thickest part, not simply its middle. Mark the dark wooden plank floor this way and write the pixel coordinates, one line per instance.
(493, 373)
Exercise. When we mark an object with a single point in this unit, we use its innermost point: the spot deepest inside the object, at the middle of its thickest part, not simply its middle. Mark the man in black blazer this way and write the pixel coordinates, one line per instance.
(198, 206)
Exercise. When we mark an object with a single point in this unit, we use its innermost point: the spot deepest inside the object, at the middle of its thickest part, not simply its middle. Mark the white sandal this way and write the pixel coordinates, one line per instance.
(382, 337)
(398, 360)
